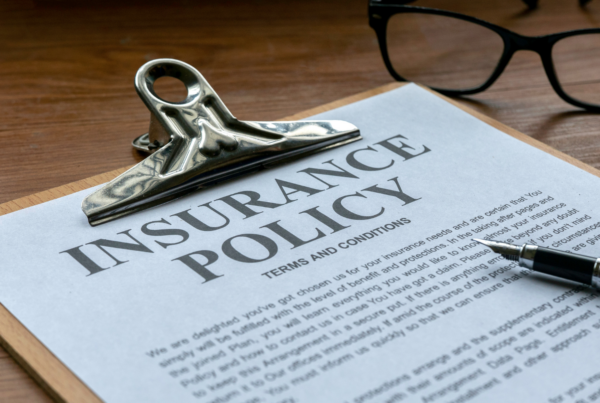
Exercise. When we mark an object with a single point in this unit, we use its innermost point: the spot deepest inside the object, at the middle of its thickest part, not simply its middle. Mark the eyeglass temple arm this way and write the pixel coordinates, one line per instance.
(534, 3)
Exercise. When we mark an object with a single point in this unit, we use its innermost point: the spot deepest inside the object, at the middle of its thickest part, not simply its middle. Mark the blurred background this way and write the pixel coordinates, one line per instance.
(69, 109)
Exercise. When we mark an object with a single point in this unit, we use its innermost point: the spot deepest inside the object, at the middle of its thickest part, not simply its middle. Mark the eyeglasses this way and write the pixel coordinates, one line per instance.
(460, 55)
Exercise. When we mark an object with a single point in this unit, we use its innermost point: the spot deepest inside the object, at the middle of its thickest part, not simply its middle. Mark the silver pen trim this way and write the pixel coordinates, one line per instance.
(524, 254)
(527, 256)
(596, 275)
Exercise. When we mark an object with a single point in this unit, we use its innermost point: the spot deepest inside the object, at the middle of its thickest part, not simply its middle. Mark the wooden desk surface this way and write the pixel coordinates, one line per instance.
(69, 111)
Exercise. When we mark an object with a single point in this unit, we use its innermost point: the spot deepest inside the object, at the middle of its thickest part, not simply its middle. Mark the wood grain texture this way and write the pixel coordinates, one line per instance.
(69, 110)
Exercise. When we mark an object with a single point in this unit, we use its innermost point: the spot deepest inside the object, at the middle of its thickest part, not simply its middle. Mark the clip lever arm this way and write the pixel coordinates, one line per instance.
(198, 142)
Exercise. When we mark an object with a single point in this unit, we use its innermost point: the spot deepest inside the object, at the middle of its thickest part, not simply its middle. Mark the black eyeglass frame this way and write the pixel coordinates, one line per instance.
(379, 15)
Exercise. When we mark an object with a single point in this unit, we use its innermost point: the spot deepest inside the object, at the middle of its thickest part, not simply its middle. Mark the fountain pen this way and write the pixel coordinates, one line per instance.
(570, 266)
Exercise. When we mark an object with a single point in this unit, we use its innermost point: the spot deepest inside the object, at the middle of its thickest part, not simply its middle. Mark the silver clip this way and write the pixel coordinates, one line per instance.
(198, 142)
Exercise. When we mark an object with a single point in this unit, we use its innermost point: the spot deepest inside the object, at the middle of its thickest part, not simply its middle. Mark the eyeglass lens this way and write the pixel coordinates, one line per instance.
(442, 52)
(577, 65)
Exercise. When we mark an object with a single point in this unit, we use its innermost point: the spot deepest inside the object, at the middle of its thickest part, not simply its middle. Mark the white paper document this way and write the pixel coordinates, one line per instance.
(347, 276)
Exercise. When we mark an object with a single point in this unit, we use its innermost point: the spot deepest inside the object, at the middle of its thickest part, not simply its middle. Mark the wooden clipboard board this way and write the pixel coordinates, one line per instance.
(54, 376)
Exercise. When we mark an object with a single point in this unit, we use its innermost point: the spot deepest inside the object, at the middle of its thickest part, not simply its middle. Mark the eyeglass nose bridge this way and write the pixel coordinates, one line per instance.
(537, 44)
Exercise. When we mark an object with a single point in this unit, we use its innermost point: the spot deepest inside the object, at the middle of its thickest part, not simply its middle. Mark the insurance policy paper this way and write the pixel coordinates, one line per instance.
(348, 276)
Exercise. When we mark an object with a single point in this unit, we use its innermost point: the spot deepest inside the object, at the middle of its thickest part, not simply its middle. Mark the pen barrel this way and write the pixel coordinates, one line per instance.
(565, 265)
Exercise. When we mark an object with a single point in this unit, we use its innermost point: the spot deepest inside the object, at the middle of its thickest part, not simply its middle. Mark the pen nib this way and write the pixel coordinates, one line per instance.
(510, 252)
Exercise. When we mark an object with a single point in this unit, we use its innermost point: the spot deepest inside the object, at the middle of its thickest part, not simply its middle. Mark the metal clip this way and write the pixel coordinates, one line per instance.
(198, 142)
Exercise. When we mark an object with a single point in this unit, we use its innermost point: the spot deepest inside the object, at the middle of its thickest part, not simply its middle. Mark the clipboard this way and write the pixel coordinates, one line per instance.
(55, 377)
